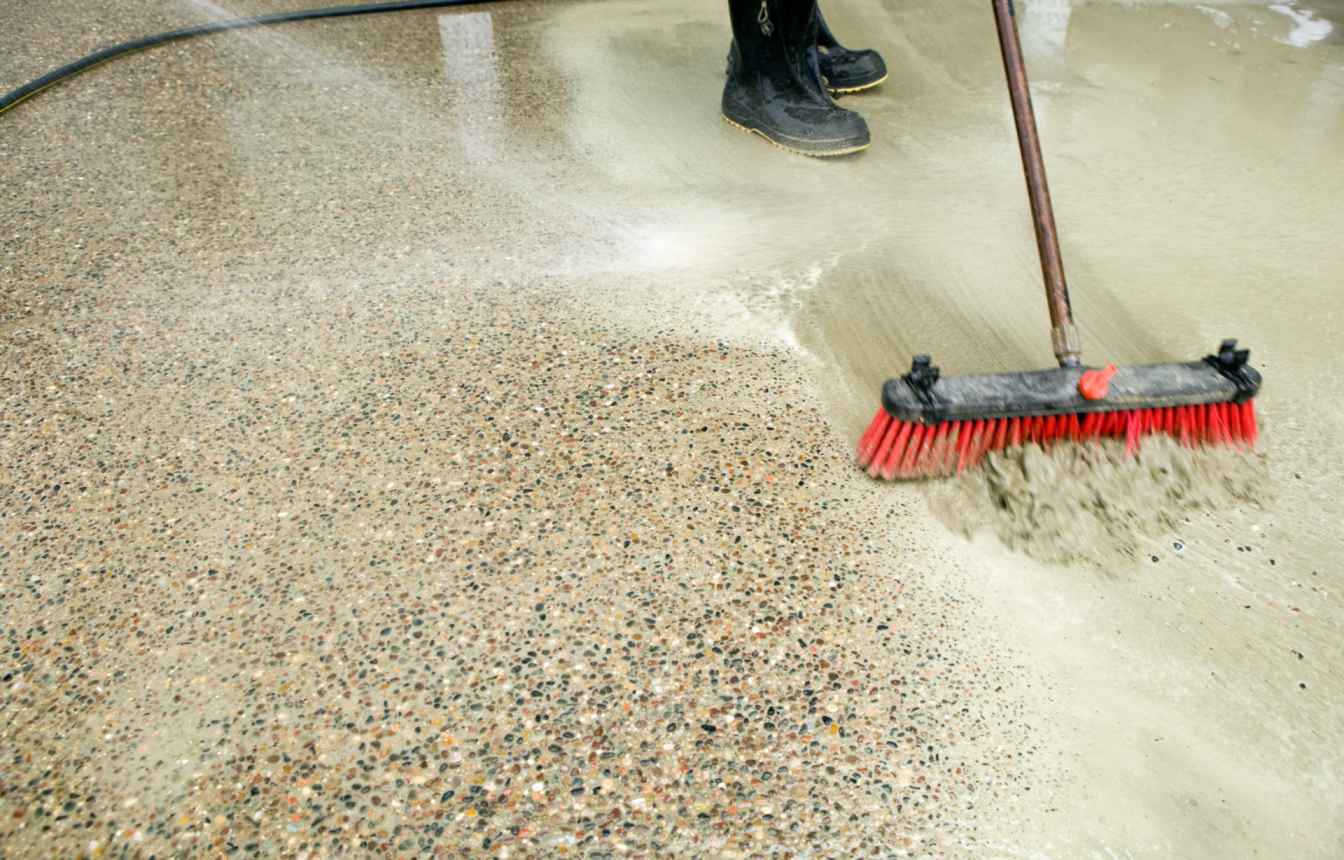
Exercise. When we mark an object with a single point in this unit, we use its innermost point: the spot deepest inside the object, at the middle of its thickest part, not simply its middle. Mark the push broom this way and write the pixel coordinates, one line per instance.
(930, 425)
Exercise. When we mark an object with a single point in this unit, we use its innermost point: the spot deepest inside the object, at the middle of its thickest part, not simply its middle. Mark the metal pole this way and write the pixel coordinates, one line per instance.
(1063, 333)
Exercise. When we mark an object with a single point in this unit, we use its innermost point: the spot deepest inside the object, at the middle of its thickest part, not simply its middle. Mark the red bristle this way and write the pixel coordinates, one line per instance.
(1132, 433)
(984, 437)
(868, 461)
(920, 463)
(1089, 427)
(986, 441)
(977, 435)
(1055, 428)
(991, 435)
(883, 447)
(1001, 434)
(1232, 421)
(964, 429)
(954, 434)
(872, 436)
(1143, 418)
(1235, 417)
(1235, 420)
(938, 453)
(886, 432)
(1248, 422)
(1015, 432)
(906, 464)
(891, 464)
(1112, 424)
(887, 467)
(925, 454)
(1232, 412)
(1218, 419)
(1075, 428)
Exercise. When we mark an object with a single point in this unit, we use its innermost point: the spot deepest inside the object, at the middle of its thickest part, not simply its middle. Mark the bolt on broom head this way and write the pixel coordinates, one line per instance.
(931, 426)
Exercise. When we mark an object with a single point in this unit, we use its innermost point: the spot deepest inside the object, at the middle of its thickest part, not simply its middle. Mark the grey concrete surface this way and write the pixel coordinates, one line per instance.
(429, 435)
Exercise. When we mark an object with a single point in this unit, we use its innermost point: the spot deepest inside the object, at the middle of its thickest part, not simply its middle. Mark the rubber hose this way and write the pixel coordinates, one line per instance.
(69, 70)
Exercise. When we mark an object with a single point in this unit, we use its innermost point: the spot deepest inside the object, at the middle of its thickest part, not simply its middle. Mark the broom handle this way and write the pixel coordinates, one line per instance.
(1063, 333)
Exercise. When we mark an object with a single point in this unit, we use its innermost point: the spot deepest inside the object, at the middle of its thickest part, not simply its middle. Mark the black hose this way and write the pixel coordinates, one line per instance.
(55, 76)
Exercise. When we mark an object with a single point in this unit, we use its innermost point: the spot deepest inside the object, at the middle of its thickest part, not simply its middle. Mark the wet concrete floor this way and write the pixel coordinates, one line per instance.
(430, 433)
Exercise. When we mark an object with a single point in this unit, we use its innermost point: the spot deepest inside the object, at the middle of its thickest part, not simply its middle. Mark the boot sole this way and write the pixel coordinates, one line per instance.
(783, 144)
(846, 91)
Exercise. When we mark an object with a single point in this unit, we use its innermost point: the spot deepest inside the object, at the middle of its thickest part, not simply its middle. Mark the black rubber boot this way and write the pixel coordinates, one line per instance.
(847, 70)
(774, 86)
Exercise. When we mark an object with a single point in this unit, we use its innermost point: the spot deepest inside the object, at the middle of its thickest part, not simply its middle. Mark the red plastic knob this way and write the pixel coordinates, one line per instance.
(1096, 384)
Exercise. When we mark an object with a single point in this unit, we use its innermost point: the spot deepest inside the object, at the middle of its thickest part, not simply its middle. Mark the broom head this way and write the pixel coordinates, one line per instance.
(931, 426)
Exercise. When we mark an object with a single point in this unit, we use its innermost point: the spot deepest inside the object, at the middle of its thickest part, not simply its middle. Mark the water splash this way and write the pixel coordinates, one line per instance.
(1220, 18)
(471, 64)
(1045, 27)
(1307, 29)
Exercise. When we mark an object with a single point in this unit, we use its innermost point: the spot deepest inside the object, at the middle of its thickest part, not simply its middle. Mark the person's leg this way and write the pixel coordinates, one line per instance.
(847, 70)
(774, 85)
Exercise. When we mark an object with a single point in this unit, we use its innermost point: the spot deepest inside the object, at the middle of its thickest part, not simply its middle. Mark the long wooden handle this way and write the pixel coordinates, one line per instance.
(1063, 333)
